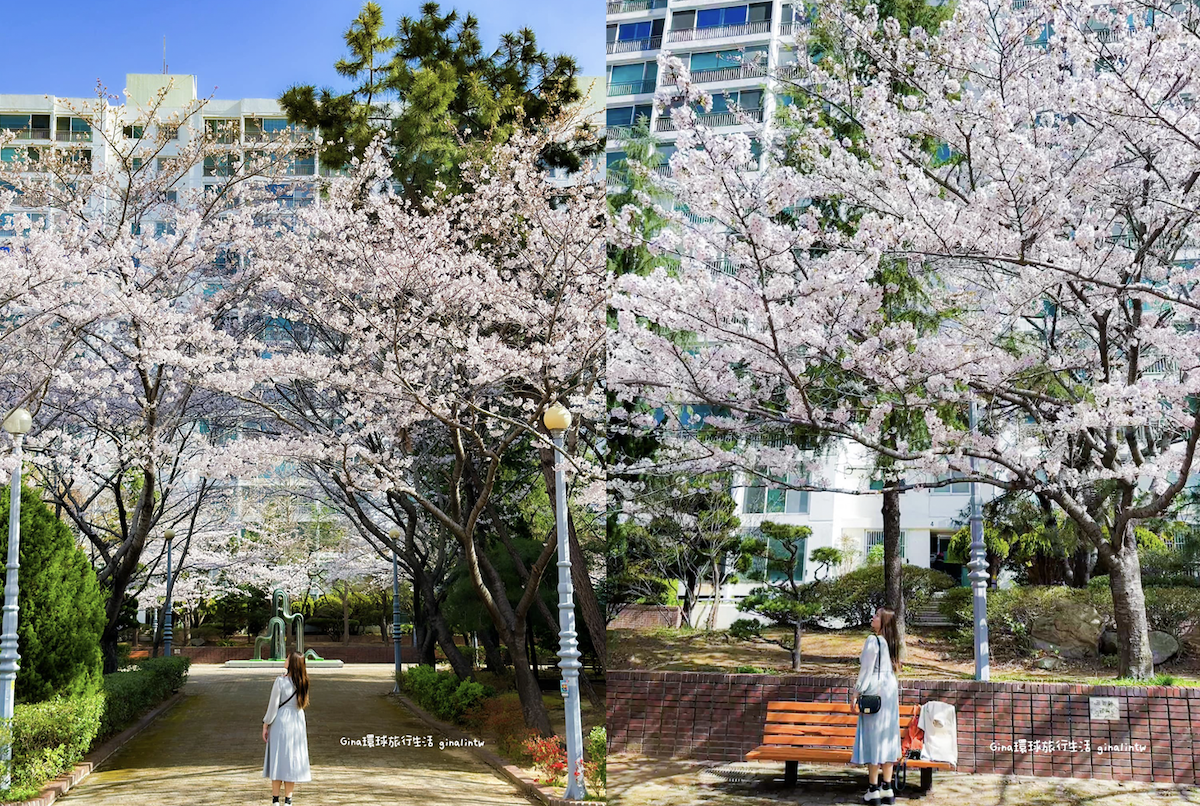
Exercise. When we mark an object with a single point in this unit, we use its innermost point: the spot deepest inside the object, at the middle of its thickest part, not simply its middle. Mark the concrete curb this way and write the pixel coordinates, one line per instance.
(55, 789)
(513, 774)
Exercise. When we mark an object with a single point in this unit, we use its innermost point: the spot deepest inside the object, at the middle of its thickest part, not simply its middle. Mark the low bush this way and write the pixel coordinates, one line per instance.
(501, 716)
(1172, 610)
(132, 693)
(855, 596)
(443, 693)
(50, 738)
(549, 759)
(596, 752)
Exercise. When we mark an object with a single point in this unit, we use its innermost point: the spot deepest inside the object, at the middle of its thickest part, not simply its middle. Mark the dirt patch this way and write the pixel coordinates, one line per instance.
(929, 655)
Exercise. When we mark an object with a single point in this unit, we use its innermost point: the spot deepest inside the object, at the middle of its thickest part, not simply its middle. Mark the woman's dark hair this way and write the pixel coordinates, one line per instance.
(890, 633)
(298, 674)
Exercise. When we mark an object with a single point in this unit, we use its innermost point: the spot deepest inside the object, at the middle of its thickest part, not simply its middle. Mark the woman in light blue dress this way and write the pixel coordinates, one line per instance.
(877, 738)
(285, 730)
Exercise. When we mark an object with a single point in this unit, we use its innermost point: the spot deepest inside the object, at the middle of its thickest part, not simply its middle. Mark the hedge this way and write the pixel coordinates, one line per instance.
(443, 693)
(132, 693)
(855, 596)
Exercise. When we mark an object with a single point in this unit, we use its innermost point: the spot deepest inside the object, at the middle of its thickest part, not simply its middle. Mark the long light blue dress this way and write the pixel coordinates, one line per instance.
(286, 757)
(877, 738)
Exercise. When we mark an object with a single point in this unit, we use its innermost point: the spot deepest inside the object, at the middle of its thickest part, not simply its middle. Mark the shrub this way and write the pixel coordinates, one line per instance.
(130, 694)
(855, 596)
(750, 669)
(596, 752)
(549, 759)
(1011, 613)
(502, 717)
(51, 736)
(61, 606)
(443, 693)
(1172, 610)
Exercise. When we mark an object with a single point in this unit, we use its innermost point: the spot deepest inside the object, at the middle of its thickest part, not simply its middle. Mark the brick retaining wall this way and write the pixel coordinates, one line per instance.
(642, 616)
(720, 717)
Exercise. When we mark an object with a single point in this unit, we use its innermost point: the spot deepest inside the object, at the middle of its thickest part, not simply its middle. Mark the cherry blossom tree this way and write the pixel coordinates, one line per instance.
(137, 285)
(1037, 166)
(452, 327)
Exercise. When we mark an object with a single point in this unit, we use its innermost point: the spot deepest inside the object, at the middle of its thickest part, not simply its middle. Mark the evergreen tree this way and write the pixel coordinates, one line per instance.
(60, 614)
(449, 91)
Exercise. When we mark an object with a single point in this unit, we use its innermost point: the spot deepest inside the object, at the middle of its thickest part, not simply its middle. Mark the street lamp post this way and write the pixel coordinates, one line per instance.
(557, 419)
(395, 535)
(17, 424)
(979, 574)
(169, 535)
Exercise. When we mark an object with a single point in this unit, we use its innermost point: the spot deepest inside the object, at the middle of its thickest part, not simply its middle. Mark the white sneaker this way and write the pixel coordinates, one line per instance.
(873, 795)
(886, 795)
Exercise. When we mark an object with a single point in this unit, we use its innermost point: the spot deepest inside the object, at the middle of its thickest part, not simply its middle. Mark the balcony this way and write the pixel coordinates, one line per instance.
(33, 134)
(729, 73)
(793, 28)
(631, 87)
(635, 45)
(714, 119)
(623, 6)
(719, 32)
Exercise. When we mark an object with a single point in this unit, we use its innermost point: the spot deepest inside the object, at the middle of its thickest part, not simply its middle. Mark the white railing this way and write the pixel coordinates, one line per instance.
(634, 45)
(622, 6)
(666, 124)
(729, 73)
(631, 87)
(718, 32)
(794, 27)
(33, 134)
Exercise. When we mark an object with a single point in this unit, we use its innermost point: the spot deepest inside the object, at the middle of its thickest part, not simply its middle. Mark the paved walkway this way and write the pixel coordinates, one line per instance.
(638, 781)
(208, 750)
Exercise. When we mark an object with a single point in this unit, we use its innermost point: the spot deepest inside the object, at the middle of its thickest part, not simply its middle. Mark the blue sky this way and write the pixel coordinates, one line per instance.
(242, 48)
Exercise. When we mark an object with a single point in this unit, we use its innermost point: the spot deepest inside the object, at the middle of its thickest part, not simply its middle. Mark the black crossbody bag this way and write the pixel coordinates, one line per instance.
(871, 703)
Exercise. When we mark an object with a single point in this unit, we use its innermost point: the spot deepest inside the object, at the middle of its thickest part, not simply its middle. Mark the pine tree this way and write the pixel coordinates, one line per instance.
(60, 615)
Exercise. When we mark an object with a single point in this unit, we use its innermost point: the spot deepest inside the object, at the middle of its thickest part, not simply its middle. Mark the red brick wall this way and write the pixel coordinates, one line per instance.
(639, 616)
(720, 718)
(355, 653)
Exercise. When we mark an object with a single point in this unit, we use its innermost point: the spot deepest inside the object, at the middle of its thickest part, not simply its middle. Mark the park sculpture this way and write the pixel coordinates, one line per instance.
(277, 630)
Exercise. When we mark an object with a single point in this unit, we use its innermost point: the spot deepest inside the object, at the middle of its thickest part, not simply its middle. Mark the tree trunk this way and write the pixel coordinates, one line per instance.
(796, 634)
(527, 686)
(1129, 607)
(493, 660)
(385, 614)
(1082, 570)
(690, 592)
(419, 622)
(893, 562)
(711, 622)
(345, 612)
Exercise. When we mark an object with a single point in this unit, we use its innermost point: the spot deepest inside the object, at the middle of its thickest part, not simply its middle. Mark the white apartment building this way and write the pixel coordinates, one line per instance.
(736, 51)
(86, 128)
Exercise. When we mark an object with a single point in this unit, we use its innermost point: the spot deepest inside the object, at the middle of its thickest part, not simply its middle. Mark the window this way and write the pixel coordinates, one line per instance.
(720, 59)
(634, 31)
(719, 17)
(220, 165)
(627, 115)
(170, 132)
(955, 487)
(762, 498)
(168, 165)
(162, 228)
(264, 129)
(18, 153)
(876, 539)
(747, 100)
(133, 132)
(614, 160)
(27, 127)
(73, 130)
(81, 160)
(222, 130)
(136, 163)
(302, 164)
(626, 79)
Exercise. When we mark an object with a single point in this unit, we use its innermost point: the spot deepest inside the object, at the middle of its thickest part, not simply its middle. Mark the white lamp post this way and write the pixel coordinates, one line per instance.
(169, 535)
(557, 420)
(978, 575)
(395, 535)
(17, 424)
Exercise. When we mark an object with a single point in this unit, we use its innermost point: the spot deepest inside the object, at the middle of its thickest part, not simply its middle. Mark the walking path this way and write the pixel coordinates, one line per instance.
(208, 749)
(639, 781)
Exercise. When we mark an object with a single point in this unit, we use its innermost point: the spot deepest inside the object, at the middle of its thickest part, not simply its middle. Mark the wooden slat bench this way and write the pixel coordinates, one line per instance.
(823, 732)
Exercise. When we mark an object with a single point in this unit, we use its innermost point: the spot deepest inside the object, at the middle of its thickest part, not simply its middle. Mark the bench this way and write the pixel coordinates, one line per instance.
(824, 732)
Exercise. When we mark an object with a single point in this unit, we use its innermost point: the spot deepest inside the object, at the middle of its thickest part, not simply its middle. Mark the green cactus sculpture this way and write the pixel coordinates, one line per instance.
(278, 628)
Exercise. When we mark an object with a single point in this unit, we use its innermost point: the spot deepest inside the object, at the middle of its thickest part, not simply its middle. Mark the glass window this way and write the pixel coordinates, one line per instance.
(683, 20)
(875, 538)
(220, 165)
(133, 132)
(633, 30)
(14, 123)
(626, 73)
(797, 501)
(959, 487)
(612, 158)
(304, 164)
(70, 129)
(222, 130)
(610, 33)
(626, 115)
(760, 12)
